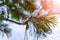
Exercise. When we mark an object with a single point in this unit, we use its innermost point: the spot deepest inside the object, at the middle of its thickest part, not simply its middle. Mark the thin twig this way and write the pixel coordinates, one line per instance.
(14, 21)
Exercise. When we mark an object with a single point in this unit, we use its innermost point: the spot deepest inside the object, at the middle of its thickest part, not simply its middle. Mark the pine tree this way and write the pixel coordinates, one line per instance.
(26, 11)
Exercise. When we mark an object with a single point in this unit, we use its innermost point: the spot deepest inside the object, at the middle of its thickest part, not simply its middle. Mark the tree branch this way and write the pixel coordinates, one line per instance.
(27, 19)
(14, 21)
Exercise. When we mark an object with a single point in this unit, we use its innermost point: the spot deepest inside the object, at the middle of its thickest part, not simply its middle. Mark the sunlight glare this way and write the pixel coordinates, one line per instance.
(56, 1)
(56, 6)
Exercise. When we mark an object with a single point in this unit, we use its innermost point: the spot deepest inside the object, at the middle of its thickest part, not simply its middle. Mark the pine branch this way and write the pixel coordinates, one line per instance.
(14, 21)
(27, 20)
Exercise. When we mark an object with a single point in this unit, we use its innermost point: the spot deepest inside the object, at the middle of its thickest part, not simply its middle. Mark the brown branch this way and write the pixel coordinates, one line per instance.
(27, 20)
